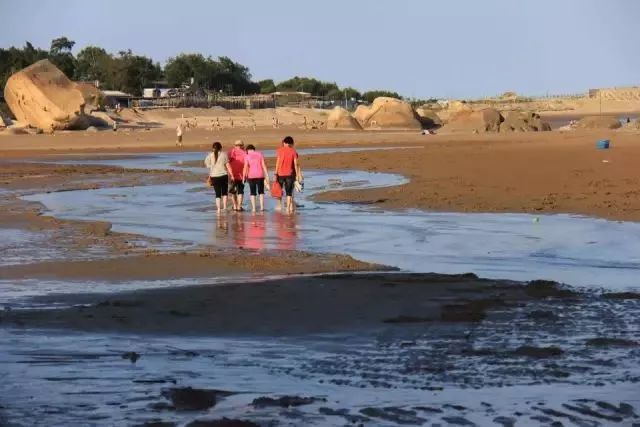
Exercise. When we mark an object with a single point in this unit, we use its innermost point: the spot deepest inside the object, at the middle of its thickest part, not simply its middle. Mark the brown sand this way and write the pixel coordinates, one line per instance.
(210, 263)
(546, 172)
(549, 172)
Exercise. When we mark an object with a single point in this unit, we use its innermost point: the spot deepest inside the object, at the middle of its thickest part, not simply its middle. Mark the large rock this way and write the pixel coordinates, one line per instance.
(481, 121)
(388, 113)
(340, 118)
(2, 123)
(93, 97)
(454, 106)
(43, 97)
(428, 118)
(598, 122)
(521, 121)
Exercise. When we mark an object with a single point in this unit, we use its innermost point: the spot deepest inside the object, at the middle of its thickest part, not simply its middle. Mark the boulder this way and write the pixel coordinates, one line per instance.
(633, 125)
(340, 118)
(481, 121)
(2, 123)
(362, 113)
(428, 118)
(598, 122)
(43, 97)
(388, 113)
(523, 121)
(93, 97)
(454, 106)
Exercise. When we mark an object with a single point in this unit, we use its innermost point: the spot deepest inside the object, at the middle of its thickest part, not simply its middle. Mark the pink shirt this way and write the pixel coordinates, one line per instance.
(254, 159)
(236, 161)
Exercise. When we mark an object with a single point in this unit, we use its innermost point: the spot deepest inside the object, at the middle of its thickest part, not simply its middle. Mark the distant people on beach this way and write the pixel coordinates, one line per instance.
(219, 172)
(287, 172)
(256, 173)
(237, 159)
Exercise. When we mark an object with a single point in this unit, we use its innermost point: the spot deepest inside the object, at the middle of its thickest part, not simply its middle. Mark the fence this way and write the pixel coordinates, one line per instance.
(229, 102)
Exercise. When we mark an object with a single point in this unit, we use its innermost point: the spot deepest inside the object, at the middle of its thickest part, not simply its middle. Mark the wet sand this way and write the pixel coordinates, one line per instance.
(526, 173)
(300, 306)
(90, 250)
(550, 172)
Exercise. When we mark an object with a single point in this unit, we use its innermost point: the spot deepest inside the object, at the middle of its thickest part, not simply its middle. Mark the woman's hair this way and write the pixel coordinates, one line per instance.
(288, 140)
(216, 147)
(250, 147)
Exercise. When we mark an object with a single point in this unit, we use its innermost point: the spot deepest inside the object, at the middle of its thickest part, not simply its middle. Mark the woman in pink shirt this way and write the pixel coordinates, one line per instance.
(255, 171)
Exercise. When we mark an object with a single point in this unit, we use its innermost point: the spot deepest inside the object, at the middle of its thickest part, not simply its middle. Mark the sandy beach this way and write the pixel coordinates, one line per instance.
(106, 286)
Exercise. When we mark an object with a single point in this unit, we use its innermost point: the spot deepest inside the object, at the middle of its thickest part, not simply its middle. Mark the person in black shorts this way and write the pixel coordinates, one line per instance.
(256, 173)
(286, 169)
(219, 171)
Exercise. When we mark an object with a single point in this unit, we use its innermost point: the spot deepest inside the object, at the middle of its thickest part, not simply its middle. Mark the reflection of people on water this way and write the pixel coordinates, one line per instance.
(250, 235)
(255, 171)
(286, 231)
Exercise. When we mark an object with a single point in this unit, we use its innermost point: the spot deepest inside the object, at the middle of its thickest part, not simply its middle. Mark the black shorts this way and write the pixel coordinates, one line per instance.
(286, 182)
(221, 185)
(239, 185)
(256, 186)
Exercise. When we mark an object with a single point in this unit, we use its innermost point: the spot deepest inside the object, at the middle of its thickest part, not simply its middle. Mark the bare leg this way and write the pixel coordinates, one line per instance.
(253, 203)
(289, 204)
(218, 204)
(224, 203)
(234, 202)
(240, 200)
(279, 204)
(261, 202)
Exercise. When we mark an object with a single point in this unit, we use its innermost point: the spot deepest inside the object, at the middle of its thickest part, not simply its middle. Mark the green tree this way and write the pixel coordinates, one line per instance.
(134, 72)
(15, 59)
(337, 94)
(207, 73)
(267, 86)
(94, 63)
(373, 94)
(60, 55)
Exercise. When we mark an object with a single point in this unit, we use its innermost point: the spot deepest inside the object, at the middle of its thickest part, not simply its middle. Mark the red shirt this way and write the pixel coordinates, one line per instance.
(236, 161)
(287, 155)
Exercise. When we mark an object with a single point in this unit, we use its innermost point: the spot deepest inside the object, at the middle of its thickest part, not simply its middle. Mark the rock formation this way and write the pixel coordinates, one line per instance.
(340, 118)
(486, 120)
(43, 97)
(523, 121)
(388, 113)
(598, 122)
(428, 118)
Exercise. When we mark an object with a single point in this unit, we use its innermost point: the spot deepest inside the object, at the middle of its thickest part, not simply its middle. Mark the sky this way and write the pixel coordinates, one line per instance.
(419, 48)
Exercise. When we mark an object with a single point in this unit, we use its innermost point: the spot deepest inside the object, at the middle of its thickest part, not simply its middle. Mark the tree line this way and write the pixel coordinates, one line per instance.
(129, 72)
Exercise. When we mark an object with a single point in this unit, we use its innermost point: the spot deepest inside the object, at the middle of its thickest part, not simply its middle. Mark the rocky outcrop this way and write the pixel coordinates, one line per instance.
(428, 118)
(43, 97)
(598, 122)
(388, 113)
(482, 121)
(340, 118)
(521, 121)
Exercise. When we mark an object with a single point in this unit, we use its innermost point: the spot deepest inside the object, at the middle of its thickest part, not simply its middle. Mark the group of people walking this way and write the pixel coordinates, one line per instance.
(229, 172)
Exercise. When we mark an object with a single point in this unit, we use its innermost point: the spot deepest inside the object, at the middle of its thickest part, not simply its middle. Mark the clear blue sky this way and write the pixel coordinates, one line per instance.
(420, 48)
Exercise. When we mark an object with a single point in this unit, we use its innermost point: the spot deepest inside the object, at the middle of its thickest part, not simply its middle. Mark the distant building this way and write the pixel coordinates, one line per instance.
(113, 97)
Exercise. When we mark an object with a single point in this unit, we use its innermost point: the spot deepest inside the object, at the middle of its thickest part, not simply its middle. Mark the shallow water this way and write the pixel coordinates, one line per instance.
(457, 372)
(577, 250)
(424, 374)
